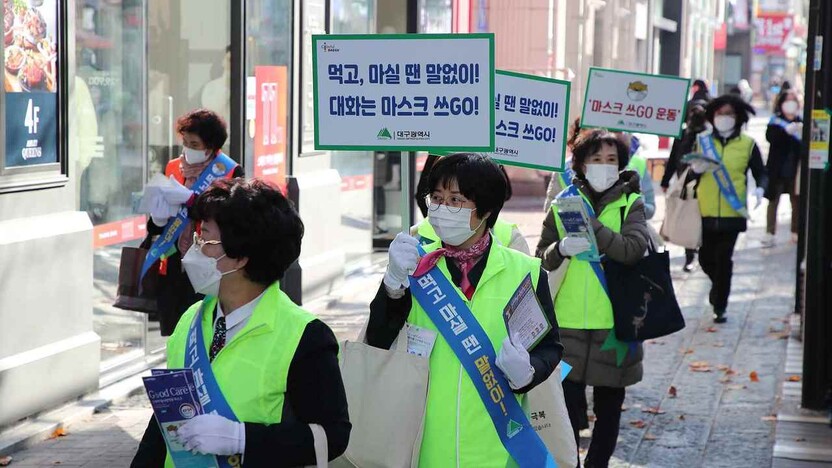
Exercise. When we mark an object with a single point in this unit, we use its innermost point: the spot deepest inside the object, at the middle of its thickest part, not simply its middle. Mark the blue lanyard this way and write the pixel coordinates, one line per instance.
(782, 123)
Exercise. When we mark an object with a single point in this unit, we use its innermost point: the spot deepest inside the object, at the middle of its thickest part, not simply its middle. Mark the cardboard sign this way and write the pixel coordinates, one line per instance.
(635, 102)
(404, 92)
(532, 121)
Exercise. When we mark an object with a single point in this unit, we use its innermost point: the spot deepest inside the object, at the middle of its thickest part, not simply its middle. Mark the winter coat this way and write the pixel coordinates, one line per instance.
(783, 154)
(582, 348)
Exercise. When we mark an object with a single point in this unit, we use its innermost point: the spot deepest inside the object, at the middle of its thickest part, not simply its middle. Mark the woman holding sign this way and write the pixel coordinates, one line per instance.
(268, 368)
(725, 154)
(584, 311)
(455, 291)
(203, 134)
(783, 133)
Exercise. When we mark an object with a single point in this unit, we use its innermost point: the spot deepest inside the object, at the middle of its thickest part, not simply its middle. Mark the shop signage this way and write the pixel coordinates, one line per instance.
(532, 116)
(404, 92)
(635, 102)
(31, 82)
(772, 33)
(819, 144)
(270, 124)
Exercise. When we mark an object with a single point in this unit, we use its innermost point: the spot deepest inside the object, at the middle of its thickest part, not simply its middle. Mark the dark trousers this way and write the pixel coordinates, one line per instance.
(778, 187)
(715, 257)
(690, 255)
(606, 405)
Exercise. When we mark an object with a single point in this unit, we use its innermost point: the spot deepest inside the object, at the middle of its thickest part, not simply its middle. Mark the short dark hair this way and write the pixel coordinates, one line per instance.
(255, 221)
(588, 143)
(741, 108)
(480, 180)
(206, 124)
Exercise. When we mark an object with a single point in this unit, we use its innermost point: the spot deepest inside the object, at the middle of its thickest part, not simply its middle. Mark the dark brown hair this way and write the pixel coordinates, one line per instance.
(207, 125)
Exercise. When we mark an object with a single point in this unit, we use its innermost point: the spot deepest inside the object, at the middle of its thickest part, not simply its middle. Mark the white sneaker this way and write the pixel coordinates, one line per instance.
(768, 240)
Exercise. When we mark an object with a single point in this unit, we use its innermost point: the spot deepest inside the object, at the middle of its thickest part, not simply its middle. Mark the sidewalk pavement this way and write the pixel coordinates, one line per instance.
(707, 398)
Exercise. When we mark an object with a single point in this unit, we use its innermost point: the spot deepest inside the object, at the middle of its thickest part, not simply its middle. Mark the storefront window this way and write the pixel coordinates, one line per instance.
(435, 16)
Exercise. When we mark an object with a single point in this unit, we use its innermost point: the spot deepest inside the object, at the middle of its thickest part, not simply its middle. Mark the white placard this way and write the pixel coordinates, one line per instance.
(635, 102)
(404, 92)
(532, 120)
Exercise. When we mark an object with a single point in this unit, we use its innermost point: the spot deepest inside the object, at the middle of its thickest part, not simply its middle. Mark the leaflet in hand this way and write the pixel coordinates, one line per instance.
(173, 396)
(152, 190)
(690, 157)
(524, 316)
(575, 219)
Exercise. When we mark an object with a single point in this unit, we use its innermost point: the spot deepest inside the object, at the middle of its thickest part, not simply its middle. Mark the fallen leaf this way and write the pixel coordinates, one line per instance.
(711, 330)
(794, 378)
(653, 411)
(592, 418)
(723, 367)
(718, 344)
(754, 376)
(769, 418)
(656, 342)
(638, 423)
(624, 408)
(681, 417)
(672, 392)
(700, 366)
(59, 432)
(5, 461)
(800, 439)
(730, 372)
(649, 437)
(726, 380)
(688, 351)
(736, 387)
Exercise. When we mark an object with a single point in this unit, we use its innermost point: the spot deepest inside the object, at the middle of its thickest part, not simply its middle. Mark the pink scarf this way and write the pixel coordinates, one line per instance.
(464, 259)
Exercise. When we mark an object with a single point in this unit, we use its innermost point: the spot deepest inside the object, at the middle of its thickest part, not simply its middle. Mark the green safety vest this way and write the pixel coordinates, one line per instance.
(581, 302)
(252, 369)
(735, 156)
(638, 163)
(502, 230)
(458, 430)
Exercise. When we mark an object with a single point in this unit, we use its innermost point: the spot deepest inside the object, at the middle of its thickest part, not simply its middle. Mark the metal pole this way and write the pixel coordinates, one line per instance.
(406, 190)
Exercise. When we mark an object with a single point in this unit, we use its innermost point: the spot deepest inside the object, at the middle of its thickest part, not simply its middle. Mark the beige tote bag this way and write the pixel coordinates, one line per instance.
(682, 223)
(387, 394)
(548, 415)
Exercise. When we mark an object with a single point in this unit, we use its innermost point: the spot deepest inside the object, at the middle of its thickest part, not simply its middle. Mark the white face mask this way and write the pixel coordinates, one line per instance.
(452, 228)
(724, 124)
(193, 156)
(789, 107)
(601, 176)
(203, 272)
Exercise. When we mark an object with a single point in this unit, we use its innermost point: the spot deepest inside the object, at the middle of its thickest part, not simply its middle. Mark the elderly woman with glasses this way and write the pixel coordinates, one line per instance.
(275, 365)
(467, 194)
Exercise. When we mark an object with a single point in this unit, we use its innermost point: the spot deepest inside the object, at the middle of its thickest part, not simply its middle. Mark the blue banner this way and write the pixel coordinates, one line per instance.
(435, 293)
(207, 388)
(783, 123)
(219, 168)
(723, 179)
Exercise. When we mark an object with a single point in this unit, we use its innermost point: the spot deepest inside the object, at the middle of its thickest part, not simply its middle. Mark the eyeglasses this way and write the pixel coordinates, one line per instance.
(199, 242)
(455, 203)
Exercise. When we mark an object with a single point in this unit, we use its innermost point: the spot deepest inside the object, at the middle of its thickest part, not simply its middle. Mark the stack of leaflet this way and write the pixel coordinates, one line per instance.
(575, 219)
(174, 399)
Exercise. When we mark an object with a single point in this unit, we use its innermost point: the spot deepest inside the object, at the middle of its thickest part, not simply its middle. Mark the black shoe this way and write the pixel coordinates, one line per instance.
(719, 316)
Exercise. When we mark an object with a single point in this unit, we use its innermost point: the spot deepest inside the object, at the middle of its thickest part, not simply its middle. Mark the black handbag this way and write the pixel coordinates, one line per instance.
(130, 294)
(643, 301)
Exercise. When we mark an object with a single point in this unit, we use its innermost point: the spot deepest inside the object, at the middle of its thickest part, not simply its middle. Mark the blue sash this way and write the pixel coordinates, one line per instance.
(219, 168)
(723, 179)
(207, 388)
(782, 123)
(635, 144)
(572, 191)
(435, 293)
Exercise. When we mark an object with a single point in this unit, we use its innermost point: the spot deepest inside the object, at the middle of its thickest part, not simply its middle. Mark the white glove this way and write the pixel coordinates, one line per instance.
(794, 128)
(758, 192)
(213, 434)
(515, 363)
(403, 259)
(176, 193)
(701, 166)
(571, 246)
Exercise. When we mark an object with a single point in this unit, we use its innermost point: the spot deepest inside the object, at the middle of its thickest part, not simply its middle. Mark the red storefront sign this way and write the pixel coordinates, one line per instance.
(119, 231)
(270, 124)
(772, 33)
(721, 37)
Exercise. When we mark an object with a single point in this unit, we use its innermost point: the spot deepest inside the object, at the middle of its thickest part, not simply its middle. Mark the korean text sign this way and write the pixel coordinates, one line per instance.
(532, 120)
(404, 92)
(270, 130)
(635, 102)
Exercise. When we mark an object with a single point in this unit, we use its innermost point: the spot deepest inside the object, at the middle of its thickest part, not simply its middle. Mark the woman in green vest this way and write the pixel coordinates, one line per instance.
(468, 191)
(275, 364)
(722, 220)
(584, 311)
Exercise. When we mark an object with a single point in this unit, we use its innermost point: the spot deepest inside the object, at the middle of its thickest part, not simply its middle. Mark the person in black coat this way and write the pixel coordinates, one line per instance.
(783, 133)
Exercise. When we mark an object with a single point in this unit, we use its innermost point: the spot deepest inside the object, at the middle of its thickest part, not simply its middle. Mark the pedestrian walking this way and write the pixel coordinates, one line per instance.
(784, 133)
(203, 134)
(468, 191)
(583, 309)
(723, 193)
(275, 364)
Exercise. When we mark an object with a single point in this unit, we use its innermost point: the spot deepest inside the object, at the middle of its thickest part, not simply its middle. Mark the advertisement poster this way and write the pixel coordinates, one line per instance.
(635, 102)
(819, 145)
(31, 81)
(531, 120)
(773, 32)
(404, 92)
(271, 99)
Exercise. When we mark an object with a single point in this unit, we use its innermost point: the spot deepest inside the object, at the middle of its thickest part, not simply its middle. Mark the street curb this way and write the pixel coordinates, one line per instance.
(41, 427)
